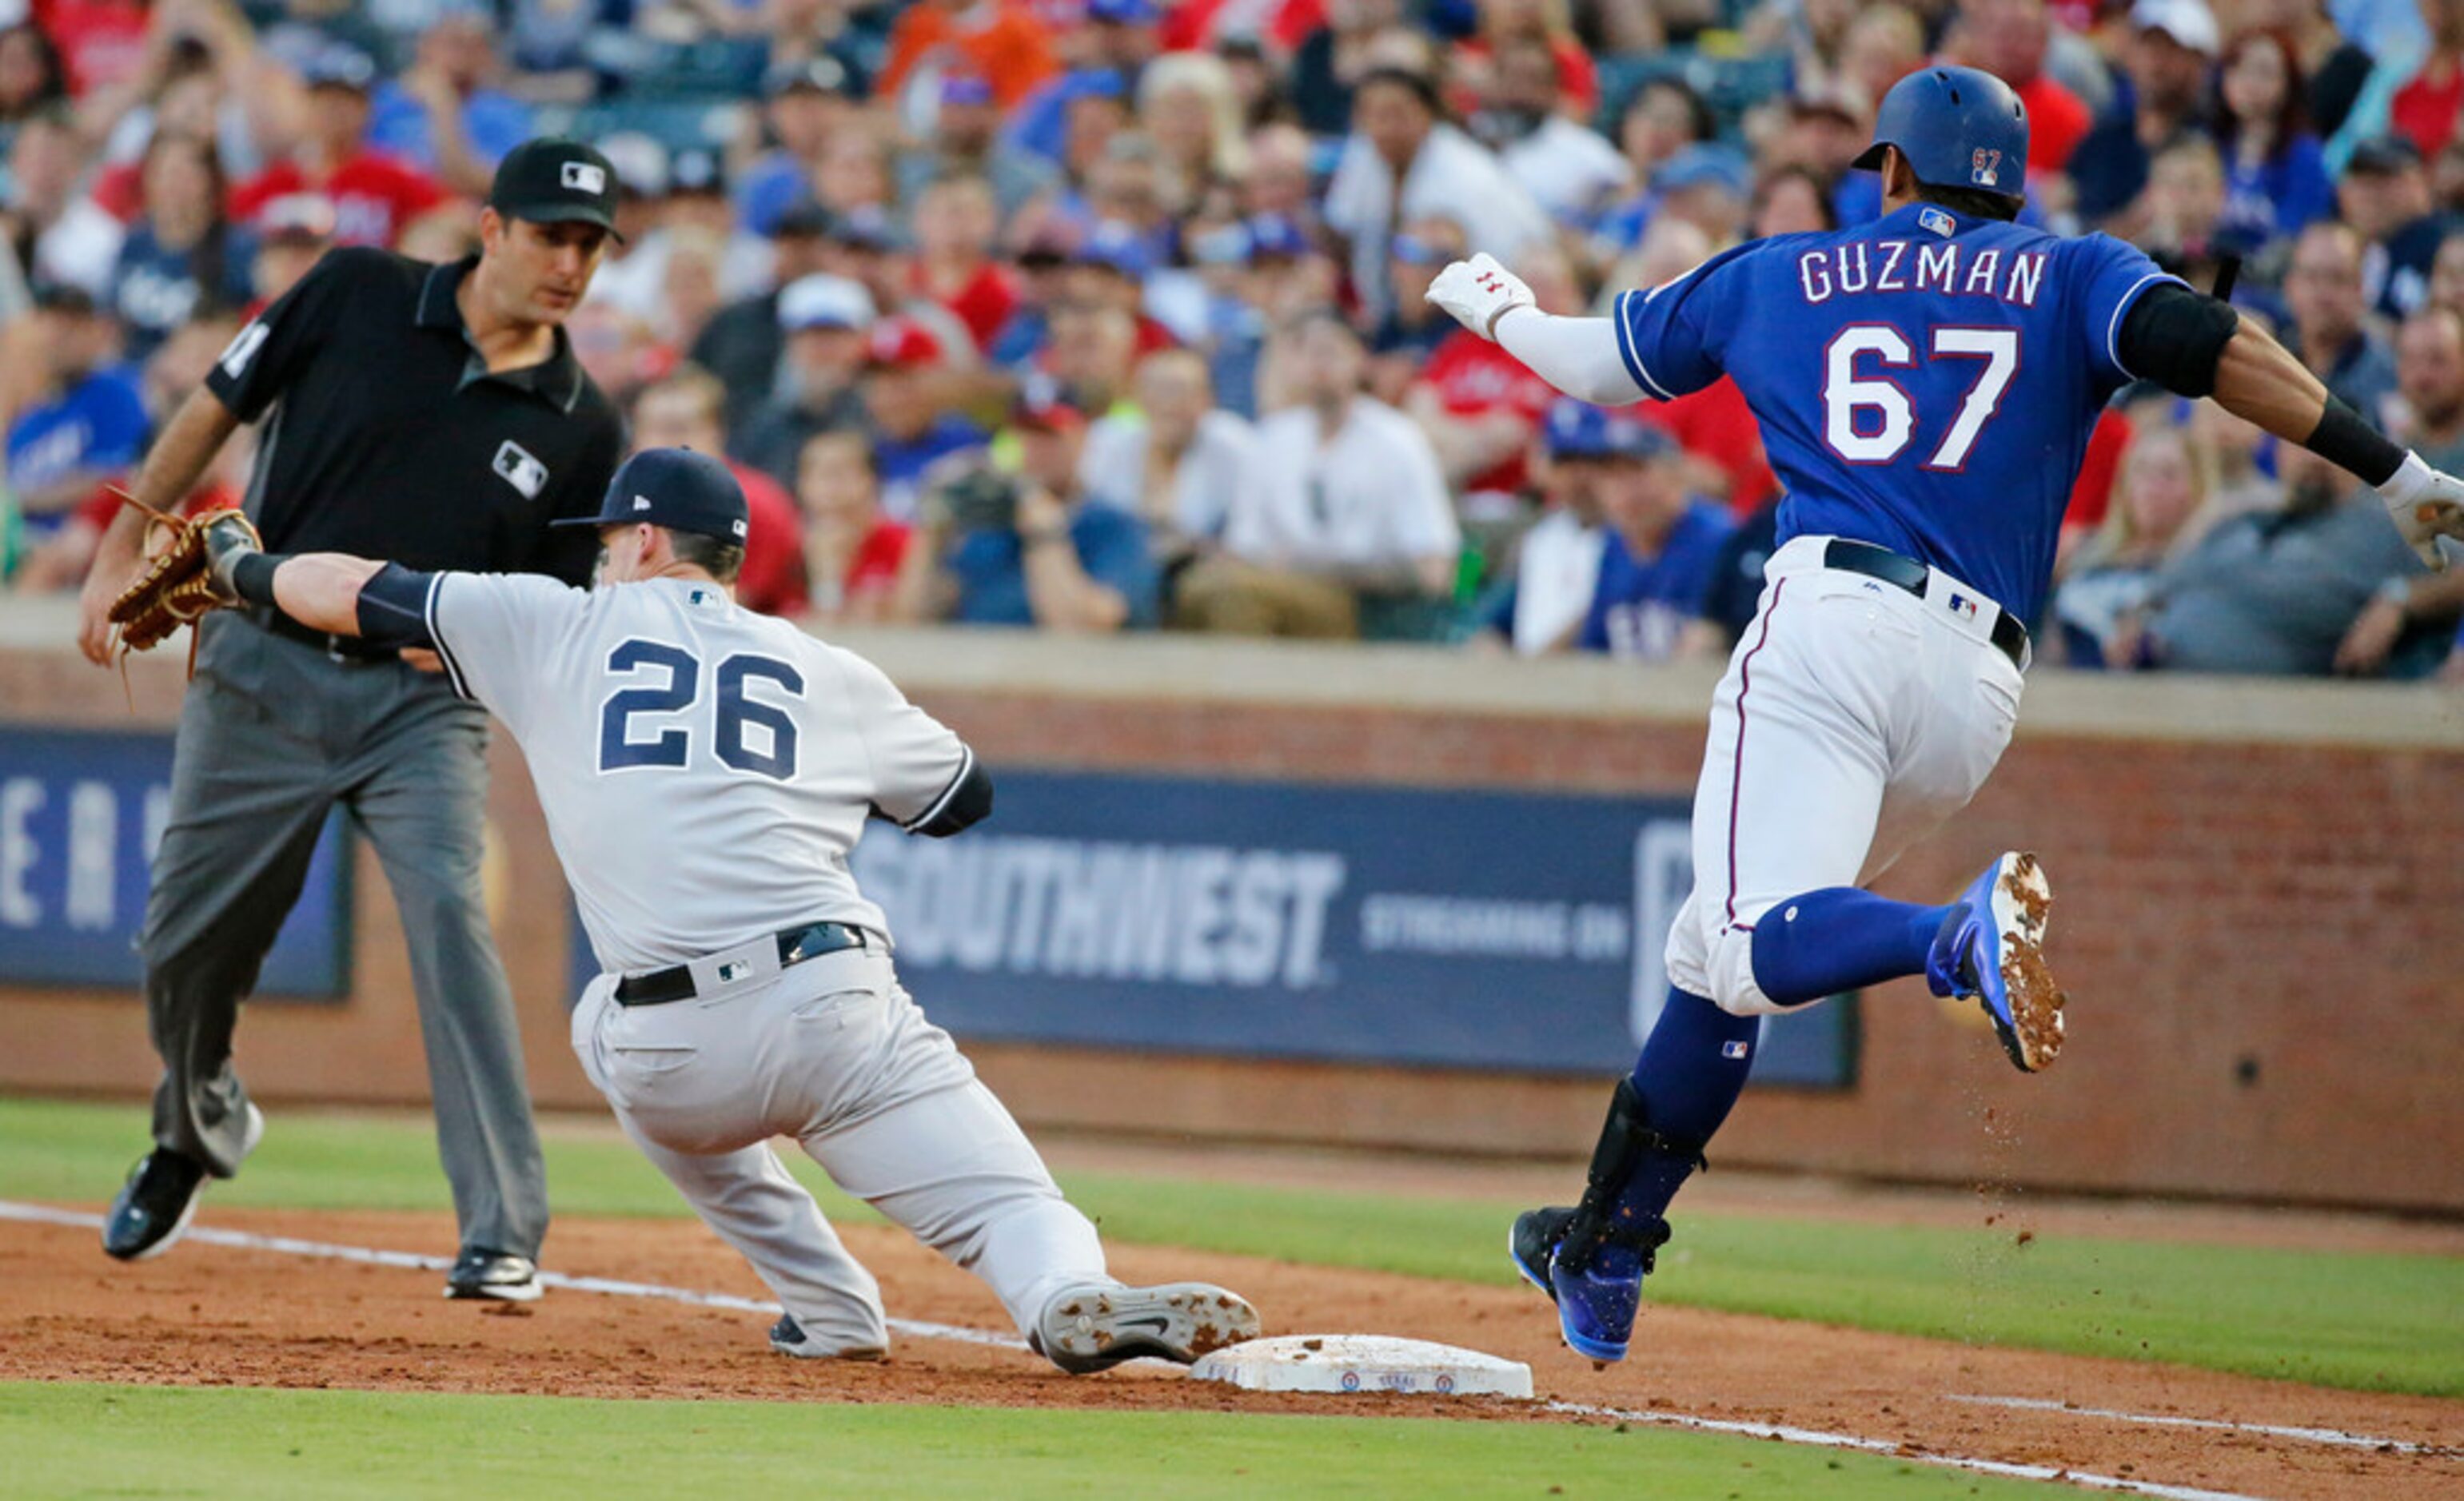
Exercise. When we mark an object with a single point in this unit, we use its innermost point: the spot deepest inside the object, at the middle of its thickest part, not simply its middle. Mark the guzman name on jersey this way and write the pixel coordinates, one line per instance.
(1830, 271)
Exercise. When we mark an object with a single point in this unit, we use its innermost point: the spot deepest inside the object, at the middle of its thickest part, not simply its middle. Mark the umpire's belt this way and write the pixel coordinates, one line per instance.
(341, 648)
(2010, 637)
(794, 945)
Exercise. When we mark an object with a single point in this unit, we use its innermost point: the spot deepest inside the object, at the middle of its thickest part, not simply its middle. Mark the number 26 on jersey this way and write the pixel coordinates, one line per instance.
(1869, 417)
(747, 733)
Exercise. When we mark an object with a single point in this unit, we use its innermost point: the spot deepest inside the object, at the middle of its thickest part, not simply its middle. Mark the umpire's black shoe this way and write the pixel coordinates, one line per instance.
(481, 1272)
(154, 1206)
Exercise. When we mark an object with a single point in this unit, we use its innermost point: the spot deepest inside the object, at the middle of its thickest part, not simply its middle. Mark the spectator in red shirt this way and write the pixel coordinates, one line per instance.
(292, 234)
(2425, 109)
(1481, 406)
(1110, 270)
(2008, 38)
(852, 551)
(375, 197)
(1207, 23)
(684, 410)
(1502, 21)
(955, 221)
(102, 41)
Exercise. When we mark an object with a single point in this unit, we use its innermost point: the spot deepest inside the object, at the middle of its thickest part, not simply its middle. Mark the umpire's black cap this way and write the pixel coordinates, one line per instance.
(672, 487)
(556, 181)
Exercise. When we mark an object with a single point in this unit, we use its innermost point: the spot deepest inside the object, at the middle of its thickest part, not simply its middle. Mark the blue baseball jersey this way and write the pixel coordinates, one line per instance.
(1642, 605)
(1925, 383)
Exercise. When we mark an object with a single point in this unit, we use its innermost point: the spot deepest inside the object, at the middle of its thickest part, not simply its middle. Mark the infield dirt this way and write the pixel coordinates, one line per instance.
(208, 1314)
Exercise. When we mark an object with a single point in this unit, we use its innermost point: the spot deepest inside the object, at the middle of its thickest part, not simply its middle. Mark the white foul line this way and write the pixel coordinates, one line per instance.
(2336, 1436)
(289, 1246)
(412, 1261)
(1820, 1439)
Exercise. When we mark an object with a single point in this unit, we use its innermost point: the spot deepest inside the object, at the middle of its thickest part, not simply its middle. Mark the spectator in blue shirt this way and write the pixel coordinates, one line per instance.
(182, 255)
(1662, 546)
(2275, 175)
(808, 103)
(1024, 549)
(440, 116)
(910, 432)
(88, 429)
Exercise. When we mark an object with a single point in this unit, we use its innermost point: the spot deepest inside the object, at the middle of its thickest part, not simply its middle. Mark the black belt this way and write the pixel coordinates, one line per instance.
(342, 649)
(796, 945)
(2010, 637)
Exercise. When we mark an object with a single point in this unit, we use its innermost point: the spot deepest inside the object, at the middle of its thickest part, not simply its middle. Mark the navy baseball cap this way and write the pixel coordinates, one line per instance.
(1580, 430)
(554, 179)
(672, 487)
(1959, 127)
(1276, 237)
(1699, 164)
(1117, 249)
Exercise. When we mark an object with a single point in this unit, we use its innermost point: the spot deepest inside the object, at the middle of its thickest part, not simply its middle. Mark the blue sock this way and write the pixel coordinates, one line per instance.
(1692, 1068)
(1839, 939)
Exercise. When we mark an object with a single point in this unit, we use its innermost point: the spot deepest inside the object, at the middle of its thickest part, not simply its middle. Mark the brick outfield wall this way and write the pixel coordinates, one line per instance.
(2260, 939)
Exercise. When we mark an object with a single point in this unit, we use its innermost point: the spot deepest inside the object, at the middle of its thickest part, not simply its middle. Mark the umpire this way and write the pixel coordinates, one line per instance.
(433, 414)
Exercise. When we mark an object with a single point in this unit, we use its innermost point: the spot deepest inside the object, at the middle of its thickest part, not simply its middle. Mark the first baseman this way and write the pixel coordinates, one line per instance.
(705, 772)
(1926, 384)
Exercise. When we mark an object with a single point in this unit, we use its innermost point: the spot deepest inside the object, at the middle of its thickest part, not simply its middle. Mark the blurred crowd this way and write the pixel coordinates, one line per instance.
(1107, 315)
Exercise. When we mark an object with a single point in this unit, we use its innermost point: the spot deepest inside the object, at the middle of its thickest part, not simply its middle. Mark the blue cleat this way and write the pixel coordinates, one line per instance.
(1990, 949)
(1598, 1294)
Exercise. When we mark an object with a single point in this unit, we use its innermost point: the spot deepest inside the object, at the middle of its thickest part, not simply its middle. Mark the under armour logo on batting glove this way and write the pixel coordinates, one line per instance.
(1479, 292)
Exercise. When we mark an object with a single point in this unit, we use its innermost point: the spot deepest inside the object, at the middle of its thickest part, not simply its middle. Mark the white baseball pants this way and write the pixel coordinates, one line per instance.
(1854, 719)
(834, 1052)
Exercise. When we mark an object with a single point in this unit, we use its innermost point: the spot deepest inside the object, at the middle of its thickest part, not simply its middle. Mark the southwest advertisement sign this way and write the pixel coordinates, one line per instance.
(80, 814)
(1464, 929)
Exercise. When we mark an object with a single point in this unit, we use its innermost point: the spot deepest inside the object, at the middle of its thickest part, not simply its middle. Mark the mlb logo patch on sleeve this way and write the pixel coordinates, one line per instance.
(517, 468)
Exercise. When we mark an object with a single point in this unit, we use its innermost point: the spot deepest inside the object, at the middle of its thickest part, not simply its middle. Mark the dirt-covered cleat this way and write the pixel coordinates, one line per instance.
(1991, 950)
(1098, 1325)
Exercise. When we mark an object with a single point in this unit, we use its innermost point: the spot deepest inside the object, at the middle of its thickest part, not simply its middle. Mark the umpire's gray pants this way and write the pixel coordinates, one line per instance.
(274, 734)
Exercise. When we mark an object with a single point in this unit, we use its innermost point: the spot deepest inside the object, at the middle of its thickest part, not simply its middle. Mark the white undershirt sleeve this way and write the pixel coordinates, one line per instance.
(1577, 355)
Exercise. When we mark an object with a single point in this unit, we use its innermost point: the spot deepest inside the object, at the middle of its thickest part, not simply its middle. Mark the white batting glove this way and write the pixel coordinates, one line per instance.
(2424, 504)
(1478, 292)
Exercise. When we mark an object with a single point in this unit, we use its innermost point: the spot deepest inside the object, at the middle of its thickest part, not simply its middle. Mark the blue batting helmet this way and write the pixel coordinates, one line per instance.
(1959, 127)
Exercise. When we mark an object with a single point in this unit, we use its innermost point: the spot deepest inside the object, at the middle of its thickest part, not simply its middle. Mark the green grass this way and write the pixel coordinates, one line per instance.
(2372, 1322)
(76, 1440)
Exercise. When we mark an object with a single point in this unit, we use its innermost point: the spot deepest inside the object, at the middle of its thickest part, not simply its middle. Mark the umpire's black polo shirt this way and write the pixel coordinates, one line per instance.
(389, 440)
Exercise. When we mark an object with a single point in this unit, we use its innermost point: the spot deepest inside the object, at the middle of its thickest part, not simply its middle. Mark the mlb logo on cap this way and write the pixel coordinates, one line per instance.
(555, 181)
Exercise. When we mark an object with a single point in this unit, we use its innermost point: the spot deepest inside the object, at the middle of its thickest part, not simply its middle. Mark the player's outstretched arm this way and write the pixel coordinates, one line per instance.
(321, 590)
(2195, 345)
(1577, 355)
(334, 593)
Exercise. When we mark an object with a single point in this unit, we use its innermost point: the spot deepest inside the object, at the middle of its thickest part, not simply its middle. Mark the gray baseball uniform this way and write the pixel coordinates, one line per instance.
(705, 772)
